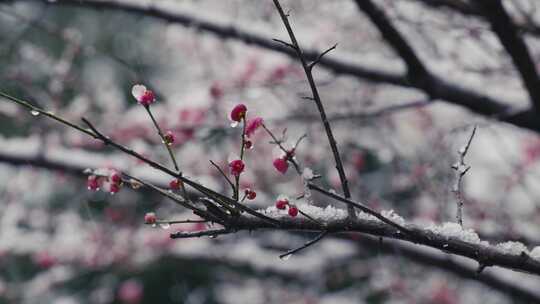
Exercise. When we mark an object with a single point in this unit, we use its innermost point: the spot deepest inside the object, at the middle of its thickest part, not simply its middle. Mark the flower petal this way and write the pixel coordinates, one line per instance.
(138, 91)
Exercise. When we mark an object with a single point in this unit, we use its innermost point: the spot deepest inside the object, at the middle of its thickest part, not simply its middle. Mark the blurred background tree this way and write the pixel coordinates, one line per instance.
(402, 91)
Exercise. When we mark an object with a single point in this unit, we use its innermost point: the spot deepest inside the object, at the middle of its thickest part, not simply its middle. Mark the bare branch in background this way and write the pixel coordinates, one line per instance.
(469, 8)
(508, 34)
(439, 88)
(417, 72)
(289, 253)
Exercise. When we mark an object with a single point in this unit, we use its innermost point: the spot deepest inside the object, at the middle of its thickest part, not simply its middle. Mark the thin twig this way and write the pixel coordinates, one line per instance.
(168, 147)
(236, 189)
(299, 140)
(318, 102)
(211, 233)
(34, 109)
(311, 242)
(312, 65)
(162, 136)
(224, 175)
(179, 222)
(283, 149)
(309, 217)
(461, 169)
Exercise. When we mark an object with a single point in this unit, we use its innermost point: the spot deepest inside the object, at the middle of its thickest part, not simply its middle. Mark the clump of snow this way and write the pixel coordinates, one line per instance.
(515, 248)
(308, 174)
(455, 230)
(329, 213)
(535, 253)
(365, 216)
(393, 216)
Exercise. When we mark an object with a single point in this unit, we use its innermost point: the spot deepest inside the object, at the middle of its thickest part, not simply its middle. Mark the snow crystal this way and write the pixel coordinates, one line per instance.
(329, 213)
(455, 230)
(365, 216)
(535, 253)
(515, 248)
(393, 216)
(308, 174)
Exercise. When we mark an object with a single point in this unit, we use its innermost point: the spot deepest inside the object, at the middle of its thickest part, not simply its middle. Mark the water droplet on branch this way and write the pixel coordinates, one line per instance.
(285, 257)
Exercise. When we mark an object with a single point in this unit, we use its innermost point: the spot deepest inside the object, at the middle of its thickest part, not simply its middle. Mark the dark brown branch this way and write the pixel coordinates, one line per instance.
(224, 176)
(484, 254)
(508, 34)
(444, 262)
(210, 233)
(317, 99)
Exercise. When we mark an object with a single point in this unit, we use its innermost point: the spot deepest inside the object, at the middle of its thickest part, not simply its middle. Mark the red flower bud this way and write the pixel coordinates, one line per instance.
(168, 137)
(281, 165)
(252, 125)
(175, 184)
(143, 96)
(282, 203)
(238, 112)
(293, 211)
(114, 188)
(150, 218)
(115, 178)
(216, 91)
(250, 194)
(92, 183)
(236, 167)
(147, 98)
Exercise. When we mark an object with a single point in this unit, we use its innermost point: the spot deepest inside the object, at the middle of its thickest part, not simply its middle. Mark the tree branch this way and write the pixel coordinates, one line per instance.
(318, 102)
(444, 262)
(438, 88)
(416, 71)
(306, 245)
(507, 32)
(482, 252)
(470, 9)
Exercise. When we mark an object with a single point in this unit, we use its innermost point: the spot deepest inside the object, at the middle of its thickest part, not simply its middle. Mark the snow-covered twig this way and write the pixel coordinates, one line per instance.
(461, 169)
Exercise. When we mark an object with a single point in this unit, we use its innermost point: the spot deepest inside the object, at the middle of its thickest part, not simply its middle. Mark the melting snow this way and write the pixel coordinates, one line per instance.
(455, 230)
(535, 253)
(308, 174)
(515, 248)
(393, 216)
